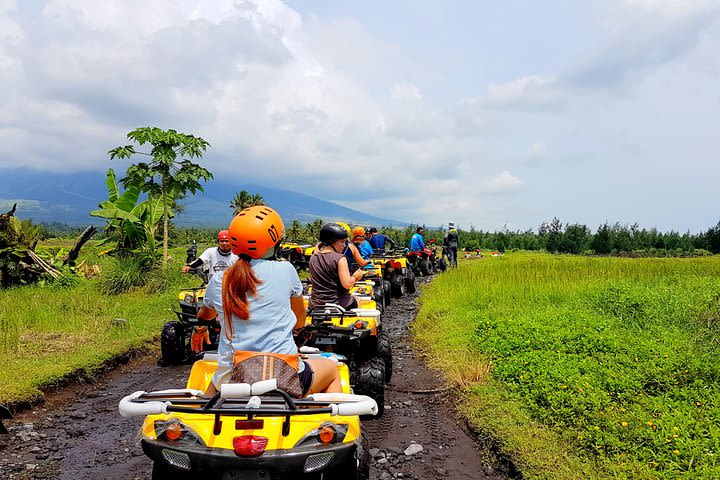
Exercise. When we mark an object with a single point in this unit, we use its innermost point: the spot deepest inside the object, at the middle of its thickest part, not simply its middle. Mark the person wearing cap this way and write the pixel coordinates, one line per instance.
(378, 240)
(215, 259)
(451, 243)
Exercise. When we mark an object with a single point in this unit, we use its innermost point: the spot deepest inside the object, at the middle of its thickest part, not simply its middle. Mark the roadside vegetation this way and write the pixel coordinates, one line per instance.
(55, 330)
(584, 367)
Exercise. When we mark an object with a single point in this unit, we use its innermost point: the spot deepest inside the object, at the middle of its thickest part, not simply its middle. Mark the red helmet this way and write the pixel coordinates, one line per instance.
(255, 232)
(223, 235)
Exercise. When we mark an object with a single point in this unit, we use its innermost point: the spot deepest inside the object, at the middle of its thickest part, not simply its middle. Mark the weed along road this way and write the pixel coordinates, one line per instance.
(79, 434)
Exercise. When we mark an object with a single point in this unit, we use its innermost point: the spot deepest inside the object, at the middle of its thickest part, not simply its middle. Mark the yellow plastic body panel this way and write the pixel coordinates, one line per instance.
(199, 294)
(300, 425)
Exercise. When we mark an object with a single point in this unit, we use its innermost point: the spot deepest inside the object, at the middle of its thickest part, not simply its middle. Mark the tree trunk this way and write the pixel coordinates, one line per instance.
(165, 223)
(72, 255)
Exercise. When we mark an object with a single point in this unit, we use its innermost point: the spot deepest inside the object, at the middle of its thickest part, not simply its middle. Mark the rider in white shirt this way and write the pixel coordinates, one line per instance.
(215, 259)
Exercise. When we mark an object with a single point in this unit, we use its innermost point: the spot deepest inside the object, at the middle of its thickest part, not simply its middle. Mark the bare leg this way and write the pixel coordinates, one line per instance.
(211, 390)
(325, 376)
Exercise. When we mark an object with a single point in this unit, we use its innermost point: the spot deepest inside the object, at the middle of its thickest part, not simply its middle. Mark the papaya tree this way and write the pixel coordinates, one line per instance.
(170, 172)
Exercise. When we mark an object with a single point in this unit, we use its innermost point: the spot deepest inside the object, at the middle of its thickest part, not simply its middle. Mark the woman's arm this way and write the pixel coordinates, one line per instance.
(357, 257)
(346, 279)
(206, 313)
(298, 307)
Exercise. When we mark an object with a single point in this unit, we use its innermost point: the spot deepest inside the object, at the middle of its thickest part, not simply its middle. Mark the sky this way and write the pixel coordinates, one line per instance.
(485, 113)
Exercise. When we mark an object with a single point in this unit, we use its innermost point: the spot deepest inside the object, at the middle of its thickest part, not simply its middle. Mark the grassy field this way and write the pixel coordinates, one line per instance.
(585, 367)
(48, 332)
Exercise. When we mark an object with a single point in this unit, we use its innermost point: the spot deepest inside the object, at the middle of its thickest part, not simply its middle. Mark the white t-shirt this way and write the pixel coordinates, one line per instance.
(214, 261)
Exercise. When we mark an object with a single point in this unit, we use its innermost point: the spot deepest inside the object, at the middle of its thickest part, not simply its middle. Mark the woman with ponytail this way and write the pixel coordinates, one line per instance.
(260, 301)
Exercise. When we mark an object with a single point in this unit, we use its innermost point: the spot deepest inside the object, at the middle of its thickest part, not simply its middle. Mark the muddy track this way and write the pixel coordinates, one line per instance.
(79, 434)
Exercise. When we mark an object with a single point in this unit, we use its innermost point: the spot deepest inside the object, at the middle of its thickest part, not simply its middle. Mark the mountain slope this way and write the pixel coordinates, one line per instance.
(67, 198)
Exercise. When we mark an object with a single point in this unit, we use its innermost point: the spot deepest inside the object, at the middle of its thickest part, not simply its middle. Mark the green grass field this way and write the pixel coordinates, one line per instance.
(585, 367)
(48, 332)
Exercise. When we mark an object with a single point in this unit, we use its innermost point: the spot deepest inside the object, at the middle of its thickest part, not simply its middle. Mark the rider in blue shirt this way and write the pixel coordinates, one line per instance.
(417, 243)
(362, 245)
(377, 240)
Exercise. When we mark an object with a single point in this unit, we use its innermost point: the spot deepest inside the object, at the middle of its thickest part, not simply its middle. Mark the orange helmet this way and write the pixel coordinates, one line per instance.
(358, 232)
(255, 232)
(223, 235)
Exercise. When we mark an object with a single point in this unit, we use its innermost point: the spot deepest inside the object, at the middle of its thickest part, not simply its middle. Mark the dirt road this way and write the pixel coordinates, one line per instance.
(79, 434)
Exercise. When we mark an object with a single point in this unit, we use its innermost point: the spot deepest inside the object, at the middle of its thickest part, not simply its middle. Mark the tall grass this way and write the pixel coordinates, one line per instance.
(48, 332)
(618, 356)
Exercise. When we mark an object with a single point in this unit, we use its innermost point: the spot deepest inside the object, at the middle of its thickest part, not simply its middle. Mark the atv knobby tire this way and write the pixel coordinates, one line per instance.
(356, 467)
(442, 265)
(426, 267)
(379, 297)
(410, 282)
(396, 285)
(387, 292)
(369, 379)
(172, 343)
(384, 349)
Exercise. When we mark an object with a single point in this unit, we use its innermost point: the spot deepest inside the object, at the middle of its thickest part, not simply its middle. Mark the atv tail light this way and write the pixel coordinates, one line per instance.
(395, 264)
(249, 445)
(327, 434)
(360, 325)
(173, 431)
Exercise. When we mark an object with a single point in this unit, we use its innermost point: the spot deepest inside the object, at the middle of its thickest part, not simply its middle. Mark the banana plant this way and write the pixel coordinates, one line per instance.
(132, 225)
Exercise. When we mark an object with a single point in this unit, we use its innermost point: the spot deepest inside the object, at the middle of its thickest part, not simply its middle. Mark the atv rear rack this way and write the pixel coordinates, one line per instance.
(260, 399)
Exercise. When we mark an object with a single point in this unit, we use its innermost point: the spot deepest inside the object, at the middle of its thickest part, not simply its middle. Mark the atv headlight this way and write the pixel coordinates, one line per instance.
(189, 298)
(175, 431)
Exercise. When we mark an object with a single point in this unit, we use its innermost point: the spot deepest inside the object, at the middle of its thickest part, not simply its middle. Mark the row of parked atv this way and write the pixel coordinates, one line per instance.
(259, 432)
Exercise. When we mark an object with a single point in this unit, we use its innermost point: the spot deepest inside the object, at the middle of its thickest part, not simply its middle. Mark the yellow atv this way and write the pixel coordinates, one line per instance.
(294, 252)
(175, 335)
(358, 335)
(395, 269)
(252, 431)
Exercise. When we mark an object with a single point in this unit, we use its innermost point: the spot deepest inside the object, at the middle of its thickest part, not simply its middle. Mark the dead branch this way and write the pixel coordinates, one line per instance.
(11, 212)
(72, 255)
(44, 265)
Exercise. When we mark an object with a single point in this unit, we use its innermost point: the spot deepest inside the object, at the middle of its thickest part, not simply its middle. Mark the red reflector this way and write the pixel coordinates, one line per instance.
(359, 325)
(249, 424)
(249, 445)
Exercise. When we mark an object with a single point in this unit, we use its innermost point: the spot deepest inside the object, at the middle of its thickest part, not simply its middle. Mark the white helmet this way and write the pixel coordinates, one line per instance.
(451, 224)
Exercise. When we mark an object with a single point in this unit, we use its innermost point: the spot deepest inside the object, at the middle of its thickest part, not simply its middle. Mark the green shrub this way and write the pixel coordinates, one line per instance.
(123, 274)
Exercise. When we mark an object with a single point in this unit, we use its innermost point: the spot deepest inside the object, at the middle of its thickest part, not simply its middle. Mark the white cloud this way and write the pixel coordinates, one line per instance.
(504, 182)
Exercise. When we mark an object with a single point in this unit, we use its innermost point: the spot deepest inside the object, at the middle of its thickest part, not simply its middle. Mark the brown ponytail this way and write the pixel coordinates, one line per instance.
(239, 281)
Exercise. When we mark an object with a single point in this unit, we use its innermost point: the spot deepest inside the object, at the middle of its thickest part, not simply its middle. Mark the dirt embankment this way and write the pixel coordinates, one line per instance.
(79, 433)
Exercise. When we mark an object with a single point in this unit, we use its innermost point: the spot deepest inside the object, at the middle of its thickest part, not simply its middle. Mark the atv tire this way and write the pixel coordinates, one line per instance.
(426, 267)
(441, 264)
(396, 285)
(409, 281)
(387, 292)
(172, 344)
(379, 297)
(369, 379)
(384, 349)
(356, 467)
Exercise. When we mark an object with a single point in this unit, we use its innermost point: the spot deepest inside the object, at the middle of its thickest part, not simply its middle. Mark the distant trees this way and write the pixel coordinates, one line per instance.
(712, 238)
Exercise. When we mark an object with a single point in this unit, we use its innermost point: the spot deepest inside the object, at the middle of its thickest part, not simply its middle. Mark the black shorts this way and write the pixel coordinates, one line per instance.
(306, 378)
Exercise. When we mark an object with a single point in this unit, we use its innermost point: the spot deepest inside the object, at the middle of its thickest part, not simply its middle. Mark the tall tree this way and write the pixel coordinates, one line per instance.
(170, 173)
(243, 199)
